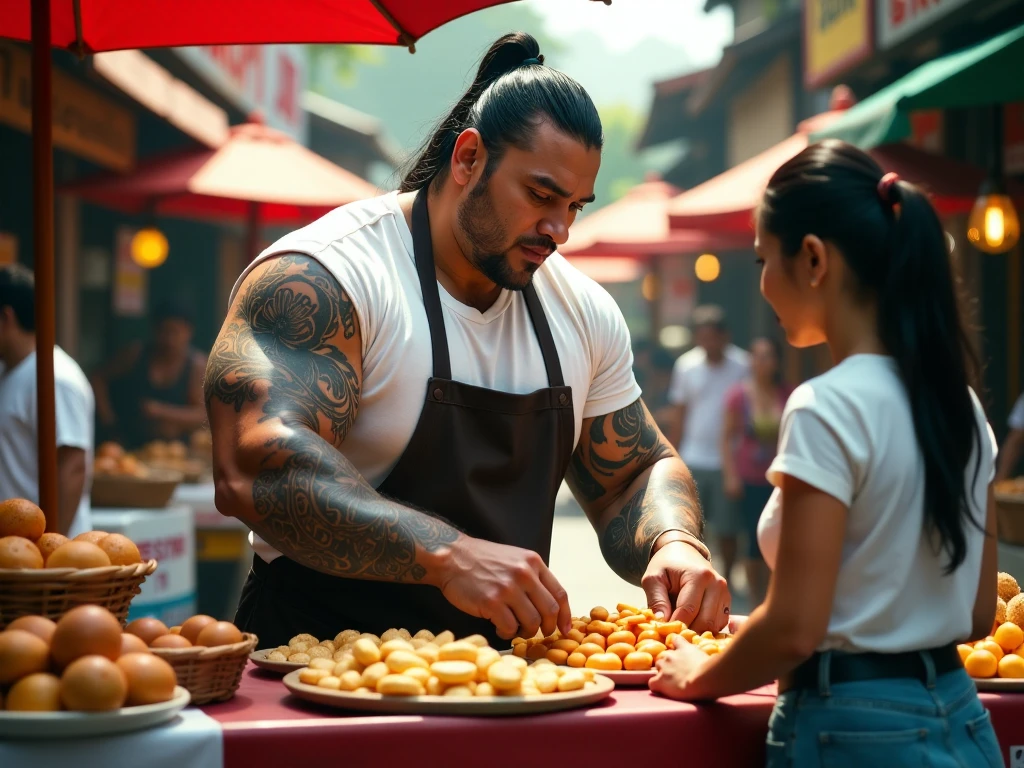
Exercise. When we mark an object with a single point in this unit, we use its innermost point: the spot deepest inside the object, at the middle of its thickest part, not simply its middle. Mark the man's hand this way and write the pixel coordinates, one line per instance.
(510, 587)
(684, 586)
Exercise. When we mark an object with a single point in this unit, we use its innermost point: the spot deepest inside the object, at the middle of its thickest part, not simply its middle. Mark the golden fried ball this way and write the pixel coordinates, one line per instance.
(1015, 611)
(1008, 587)
(1000, 611)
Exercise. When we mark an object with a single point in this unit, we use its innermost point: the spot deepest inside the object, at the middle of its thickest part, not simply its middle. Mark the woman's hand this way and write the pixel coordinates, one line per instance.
(735, 622)
(675, 668)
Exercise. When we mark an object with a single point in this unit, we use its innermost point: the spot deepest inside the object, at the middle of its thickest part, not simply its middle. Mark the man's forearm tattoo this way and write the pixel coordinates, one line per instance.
(310, 501)
(666, 503)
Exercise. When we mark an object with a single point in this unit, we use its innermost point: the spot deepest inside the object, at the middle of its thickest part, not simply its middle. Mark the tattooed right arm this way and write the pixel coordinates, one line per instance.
(282, 392)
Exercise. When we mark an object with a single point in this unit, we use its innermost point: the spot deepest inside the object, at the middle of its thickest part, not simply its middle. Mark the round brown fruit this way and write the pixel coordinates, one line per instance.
(151, 680)
(219, 633)
(38, 692)
(78, 554)
(92, 537)
(110, 450)
(40, 626)
(132, 644)
(21, 653)
(93, 684)
(18, 552)
(120, 549)
(146, 628)
(191, 628)
(84, 631)
(48, 542)
(170, 641)
(20, 517)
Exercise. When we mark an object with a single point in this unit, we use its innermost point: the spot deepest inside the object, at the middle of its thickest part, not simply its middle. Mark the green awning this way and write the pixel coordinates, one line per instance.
(991, 72)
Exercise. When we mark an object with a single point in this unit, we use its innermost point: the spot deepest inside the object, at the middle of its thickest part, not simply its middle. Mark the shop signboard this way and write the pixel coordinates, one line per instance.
(268, 79)
(837, 36)
(85, 122)
(898, 20)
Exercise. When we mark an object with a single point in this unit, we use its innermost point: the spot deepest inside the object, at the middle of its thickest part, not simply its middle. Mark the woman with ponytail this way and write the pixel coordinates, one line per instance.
(880, 530)
(401, 388)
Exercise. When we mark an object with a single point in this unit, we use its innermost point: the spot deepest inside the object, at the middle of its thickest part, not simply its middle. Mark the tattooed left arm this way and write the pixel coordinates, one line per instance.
(642, 502)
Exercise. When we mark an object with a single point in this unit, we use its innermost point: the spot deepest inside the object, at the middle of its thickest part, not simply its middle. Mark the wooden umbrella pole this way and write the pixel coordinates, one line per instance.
(42, 214)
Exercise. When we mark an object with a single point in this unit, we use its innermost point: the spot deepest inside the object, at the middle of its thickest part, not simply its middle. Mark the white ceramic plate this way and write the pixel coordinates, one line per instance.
(443, 705)
(999, 684)
(627, 678)
(259, 658)
(65, 725)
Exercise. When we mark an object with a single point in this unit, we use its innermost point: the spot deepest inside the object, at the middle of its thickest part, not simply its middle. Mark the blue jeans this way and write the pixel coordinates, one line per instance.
(889, 723)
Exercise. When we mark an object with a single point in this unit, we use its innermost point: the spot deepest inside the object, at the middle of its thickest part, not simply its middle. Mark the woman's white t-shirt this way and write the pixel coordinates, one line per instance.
(368, 248)
(850, 433)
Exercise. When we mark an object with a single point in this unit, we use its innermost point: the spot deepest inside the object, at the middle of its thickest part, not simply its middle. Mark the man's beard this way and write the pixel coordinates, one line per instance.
(487, 240)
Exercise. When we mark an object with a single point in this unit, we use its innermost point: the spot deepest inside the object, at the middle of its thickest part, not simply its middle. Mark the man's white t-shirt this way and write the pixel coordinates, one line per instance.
(19, 467)
(1016, 420)
(368, 248)
(701, 387)
(850, 433)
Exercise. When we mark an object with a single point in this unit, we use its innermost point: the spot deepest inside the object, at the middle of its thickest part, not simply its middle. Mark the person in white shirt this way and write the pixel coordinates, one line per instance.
(881, 530)
(1013, 445)
(700, 380)
(19, 471)
(400, 388)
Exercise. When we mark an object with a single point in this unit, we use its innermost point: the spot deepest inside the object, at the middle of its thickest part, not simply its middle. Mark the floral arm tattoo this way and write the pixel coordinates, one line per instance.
(632, 486)
(281, 354)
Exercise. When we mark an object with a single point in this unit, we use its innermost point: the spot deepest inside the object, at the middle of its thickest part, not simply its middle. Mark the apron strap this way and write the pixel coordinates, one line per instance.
(423, 252)
(547, 341)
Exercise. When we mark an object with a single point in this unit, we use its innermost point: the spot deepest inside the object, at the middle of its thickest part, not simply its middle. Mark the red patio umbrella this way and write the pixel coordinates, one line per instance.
(259, 174)
(636, 225)
(726, 203)
(91, 26)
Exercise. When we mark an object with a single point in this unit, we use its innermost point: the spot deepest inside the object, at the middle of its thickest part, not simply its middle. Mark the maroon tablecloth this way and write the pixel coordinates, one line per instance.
(265, 725)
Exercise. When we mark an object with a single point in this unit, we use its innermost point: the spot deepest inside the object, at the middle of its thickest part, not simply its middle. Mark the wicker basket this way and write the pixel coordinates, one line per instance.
(52, 592)
(150, 492)
(1010, 517)
(210, 674)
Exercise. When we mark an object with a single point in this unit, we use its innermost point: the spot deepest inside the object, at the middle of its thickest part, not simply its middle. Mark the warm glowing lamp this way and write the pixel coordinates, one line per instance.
(707, 268)
(993, 226)
(149, 247)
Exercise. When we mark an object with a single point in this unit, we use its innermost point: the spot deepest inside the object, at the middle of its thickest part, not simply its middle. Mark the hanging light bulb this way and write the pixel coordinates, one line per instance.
(149, 247)
(993, 226)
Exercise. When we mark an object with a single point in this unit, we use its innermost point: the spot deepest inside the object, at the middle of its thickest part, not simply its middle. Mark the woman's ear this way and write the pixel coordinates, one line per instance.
(815, 254)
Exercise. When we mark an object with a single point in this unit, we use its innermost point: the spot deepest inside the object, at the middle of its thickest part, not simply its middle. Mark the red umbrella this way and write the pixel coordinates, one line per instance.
(726, 203)
(90, 26)
(636, 225)
(259, 174)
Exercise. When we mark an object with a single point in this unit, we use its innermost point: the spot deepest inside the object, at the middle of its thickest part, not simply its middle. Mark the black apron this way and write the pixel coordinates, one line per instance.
(489, 462)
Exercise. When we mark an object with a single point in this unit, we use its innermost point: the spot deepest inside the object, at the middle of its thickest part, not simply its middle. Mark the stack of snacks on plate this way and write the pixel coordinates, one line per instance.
(628, 639)
(400, 664)
(1001, 654)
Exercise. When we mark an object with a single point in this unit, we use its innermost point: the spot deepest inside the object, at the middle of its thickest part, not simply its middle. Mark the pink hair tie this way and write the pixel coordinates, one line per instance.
(885, 187)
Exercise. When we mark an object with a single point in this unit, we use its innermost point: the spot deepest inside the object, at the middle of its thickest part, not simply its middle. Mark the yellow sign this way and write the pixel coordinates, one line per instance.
(84, 122)
(837, 35)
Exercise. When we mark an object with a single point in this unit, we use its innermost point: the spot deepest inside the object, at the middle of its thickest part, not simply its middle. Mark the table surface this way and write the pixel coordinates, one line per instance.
(264, 724)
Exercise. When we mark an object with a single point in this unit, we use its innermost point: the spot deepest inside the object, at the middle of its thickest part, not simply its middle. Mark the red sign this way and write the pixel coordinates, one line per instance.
(926, 130)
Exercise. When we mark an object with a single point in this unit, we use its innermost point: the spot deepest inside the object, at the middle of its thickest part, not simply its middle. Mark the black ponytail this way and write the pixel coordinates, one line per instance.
(511, 89)
(892, 240)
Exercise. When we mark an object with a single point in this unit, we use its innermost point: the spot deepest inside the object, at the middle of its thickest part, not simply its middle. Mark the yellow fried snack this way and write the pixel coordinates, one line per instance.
(320, 652)
(565, 644)
(577, 634)
(307, 639)
(458, 651)
(577, 660)
(373, 674)
(484, 658)
(400, 660)
(519, 651)
(606, 661)
(344, 637)
(331, 682)
(276, 656)
(400, 685)
(300, 646)
(557, 656)
(459, 691)
(599, 614)
(484, 689)
(312, 676)
(504, 677)
(434, 687)
(346, 664)
(395, 644)
(454, 671)
(419, 674)
(604, 628)
(621, 636)
(589, 649)
(638, 660)
(546, 681)
(390, 634)
(572, 680)
(424, 634)
(349, 681)
(478, 640)
(327, 664)
(538, 651)
(299, 658)
(444, 638)
(622, 650)
(429, 653)
(366, 652)
(595, 639)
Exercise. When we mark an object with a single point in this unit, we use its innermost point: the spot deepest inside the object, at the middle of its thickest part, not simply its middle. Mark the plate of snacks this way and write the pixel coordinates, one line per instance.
(303, 648)
(81, 676)
(621, 645)
(997, 662)
(453, 677)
